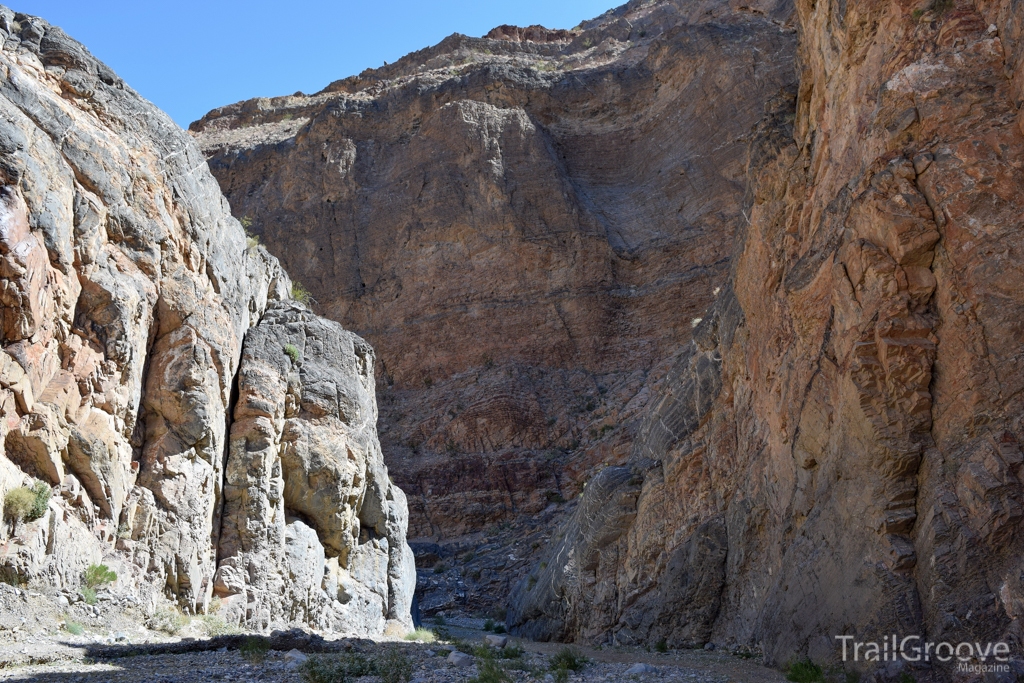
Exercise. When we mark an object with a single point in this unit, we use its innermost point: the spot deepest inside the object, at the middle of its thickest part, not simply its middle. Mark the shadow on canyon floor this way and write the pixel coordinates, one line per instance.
(225, 658)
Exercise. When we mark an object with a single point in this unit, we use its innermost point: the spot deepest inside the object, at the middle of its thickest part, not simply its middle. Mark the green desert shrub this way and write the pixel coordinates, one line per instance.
(568, 659)
(74, 628)
(98, 575)
(169, 620)
(490, 671)
(513, 651)
(215, 625)
(293, 352)
(336, 668)
(421, 635)
(804, 671)
(393, 666)
(301, 294)
(25, 504)
(18, 503)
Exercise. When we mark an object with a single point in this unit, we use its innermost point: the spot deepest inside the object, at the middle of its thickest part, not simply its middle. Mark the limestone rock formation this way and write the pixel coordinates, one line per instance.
(838, 449)
(305, 476)
(524, 226)
(128, 292)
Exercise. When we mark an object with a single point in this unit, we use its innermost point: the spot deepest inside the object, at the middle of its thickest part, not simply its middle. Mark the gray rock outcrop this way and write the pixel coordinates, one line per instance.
(312, 525)
(128, 293)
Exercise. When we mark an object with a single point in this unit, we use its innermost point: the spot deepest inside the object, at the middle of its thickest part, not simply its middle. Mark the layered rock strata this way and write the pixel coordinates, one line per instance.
(837, 451)
(524, 226)
(128, 296)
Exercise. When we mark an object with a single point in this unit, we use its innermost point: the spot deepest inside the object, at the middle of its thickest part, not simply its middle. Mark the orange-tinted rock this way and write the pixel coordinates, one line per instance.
(523, 229)
(850, 409)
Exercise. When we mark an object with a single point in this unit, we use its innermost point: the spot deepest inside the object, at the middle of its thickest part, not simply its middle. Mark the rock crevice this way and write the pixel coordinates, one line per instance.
(131, 310)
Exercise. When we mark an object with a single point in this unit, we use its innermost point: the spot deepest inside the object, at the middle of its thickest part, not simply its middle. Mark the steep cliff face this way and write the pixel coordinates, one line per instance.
(837, 451)
(130, 304)
(523, 225)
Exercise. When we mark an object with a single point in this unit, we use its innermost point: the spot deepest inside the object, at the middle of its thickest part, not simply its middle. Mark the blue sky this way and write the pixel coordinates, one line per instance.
(189, 56)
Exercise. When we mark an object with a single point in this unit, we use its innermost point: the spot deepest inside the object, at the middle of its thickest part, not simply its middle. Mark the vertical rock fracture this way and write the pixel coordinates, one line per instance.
(196, 428)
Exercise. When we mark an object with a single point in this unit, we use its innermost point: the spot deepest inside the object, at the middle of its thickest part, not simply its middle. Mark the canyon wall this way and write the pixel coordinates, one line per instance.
(182, 420)
(837, 451)
(525, 226)
(746, 275)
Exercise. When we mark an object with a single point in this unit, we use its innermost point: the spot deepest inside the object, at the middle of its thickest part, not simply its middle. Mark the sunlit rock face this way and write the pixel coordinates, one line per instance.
(837, 450)
(525, 226)
(131, 309)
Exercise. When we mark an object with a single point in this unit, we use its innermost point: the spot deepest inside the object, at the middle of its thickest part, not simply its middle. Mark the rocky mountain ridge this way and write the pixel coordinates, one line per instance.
(183, 421)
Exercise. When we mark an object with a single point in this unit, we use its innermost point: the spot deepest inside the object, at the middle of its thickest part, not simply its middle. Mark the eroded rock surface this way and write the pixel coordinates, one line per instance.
(524, 226)
(837, 451)
(312, 523)
(127, 293)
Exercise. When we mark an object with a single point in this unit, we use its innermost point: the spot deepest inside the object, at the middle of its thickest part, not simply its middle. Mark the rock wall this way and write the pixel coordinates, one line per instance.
(312, 525)
(837, 451)
(132, 314)
(523, 225)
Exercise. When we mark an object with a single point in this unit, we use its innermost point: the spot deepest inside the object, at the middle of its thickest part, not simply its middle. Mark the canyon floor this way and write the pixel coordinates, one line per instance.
(114, 644)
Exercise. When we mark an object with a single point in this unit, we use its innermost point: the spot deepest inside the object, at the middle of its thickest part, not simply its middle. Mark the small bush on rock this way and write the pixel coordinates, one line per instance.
(25, 504)
(169, 621)
(99, 575)
(293, 353)
(42, 500)
(89, 595)
(74, 628)
(216, 626)
(301, 294)
(513, 651)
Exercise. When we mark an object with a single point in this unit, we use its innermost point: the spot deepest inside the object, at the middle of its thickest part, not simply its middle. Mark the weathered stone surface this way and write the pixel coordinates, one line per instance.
(127, 292)
(496, 641)
(460, 659)
(841, 455)
(524, 226)
(304, 447)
